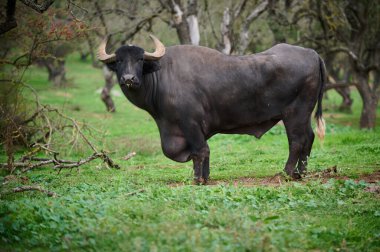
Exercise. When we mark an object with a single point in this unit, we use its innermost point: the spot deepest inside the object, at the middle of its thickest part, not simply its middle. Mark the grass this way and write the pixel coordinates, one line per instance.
(96, 211)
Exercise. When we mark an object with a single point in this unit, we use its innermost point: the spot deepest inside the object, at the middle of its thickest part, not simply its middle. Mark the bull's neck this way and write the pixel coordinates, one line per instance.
(145, 97)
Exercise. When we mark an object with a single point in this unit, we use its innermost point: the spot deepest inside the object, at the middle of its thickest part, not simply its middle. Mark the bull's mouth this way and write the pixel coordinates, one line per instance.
(129, 84)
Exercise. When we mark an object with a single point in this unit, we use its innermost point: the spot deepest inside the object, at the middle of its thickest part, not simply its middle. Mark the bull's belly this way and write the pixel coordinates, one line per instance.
(255, 129)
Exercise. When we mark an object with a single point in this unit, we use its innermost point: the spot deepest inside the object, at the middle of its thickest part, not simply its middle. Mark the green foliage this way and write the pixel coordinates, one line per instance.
(295, 216)
(96, 210)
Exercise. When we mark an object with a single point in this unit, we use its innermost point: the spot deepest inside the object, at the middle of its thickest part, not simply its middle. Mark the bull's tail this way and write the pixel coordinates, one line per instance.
(321, 126)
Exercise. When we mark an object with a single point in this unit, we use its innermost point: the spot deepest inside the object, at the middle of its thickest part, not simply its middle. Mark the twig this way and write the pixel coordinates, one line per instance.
(79, 163)
(31, 188)
(129, 155)
(29, 162)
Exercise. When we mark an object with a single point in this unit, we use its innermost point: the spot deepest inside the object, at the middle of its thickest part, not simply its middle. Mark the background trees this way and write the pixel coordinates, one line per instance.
(345, 32)
(351, 28)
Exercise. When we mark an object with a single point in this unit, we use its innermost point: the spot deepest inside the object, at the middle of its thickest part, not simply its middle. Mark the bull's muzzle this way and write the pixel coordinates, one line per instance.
(129, 80)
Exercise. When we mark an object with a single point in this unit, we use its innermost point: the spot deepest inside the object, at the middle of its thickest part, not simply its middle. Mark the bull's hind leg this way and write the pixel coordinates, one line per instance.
(305, 152)
(299, 139)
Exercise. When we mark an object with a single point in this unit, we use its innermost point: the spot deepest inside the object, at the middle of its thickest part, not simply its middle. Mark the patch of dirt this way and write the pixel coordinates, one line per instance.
(280, 179)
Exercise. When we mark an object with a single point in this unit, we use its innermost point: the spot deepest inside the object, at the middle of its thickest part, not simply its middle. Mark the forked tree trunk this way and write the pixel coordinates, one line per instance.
(106, 92)
(57, 71)
(370, 101)
(180, 22)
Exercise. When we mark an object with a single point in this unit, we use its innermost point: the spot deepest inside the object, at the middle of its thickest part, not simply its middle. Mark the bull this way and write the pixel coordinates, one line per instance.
(194, 92)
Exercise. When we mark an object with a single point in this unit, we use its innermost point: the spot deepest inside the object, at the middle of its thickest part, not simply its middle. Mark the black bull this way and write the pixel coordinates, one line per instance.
(195, 92)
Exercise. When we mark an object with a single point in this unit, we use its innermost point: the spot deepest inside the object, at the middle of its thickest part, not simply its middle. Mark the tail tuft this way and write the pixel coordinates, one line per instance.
(321, 128)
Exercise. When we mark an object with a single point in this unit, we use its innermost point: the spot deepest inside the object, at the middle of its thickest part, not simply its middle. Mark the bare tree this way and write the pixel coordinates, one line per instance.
(357, 31)
(184, 20)
(236, 37)
(40, 128)
(348, 27)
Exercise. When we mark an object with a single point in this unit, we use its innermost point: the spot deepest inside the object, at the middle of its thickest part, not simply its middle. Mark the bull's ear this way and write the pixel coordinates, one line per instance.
(112, 66)
(150, 66)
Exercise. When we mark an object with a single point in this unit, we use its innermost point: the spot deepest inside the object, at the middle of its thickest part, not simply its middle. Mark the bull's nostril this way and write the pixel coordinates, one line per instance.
(129, 80)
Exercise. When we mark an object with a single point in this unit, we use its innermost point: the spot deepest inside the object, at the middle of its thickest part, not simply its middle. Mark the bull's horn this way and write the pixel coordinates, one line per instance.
(102, 55)
(158, 53)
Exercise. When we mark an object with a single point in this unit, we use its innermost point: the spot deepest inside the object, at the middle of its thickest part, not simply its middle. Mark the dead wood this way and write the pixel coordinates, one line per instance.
(43, 115)
(129, 155)
(31, 188)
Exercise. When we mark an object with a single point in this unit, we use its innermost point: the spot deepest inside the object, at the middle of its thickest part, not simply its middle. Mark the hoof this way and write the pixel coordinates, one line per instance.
(295, 175)
(200, 181)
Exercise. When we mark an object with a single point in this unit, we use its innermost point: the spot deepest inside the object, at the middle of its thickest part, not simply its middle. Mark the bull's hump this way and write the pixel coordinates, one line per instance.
(190, 53)
(191, 49)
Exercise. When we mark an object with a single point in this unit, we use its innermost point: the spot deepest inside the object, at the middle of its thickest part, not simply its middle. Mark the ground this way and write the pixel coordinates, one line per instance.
(150, 204)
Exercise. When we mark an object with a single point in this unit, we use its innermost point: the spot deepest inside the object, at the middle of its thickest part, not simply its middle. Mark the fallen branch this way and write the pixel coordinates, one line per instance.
(27, 164)
(43, 113)
(96, 155)
(31, 188)
(129, 155)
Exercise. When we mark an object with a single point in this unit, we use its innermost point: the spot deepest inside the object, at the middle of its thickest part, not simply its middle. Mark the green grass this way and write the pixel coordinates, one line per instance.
(95, 210)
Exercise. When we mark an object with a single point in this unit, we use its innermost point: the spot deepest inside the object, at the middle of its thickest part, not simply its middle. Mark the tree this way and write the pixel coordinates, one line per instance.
(21, 47)
(356, 27)
(184, 20)
(349, 27)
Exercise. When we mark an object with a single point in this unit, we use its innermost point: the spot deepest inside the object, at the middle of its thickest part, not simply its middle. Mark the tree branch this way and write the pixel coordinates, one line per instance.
(10, 21)
(240, 8)
(31, 188)
(42, 7)
(244, 36)
(206, 9)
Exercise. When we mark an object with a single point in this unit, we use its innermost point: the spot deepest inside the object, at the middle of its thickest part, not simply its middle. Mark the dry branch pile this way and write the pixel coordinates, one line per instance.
(37, 133)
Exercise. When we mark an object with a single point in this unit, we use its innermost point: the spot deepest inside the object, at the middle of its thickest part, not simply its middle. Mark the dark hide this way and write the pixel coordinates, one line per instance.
(196, 92)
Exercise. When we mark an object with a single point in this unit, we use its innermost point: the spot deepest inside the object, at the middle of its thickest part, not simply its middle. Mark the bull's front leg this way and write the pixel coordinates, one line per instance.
(201, 161)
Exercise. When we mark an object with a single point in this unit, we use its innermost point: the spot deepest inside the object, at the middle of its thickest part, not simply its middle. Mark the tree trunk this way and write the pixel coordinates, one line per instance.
(346, 92)
(244, 34)
(57, 71)
(370, 101)
(334, 67)
(345, 106)
(225, 30)
(106, 92)
(180, 22)
(192, 20)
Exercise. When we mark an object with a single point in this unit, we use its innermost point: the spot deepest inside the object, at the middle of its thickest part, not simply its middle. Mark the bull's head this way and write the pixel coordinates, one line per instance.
(131, 62)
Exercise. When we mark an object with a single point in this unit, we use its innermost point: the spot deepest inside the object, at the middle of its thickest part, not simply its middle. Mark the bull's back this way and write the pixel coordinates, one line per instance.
(236, 91)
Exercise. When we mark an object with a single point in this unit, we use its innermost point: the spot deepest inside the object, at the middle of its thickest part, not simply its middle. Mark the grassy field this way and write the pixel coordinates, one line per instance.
(150, 204)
